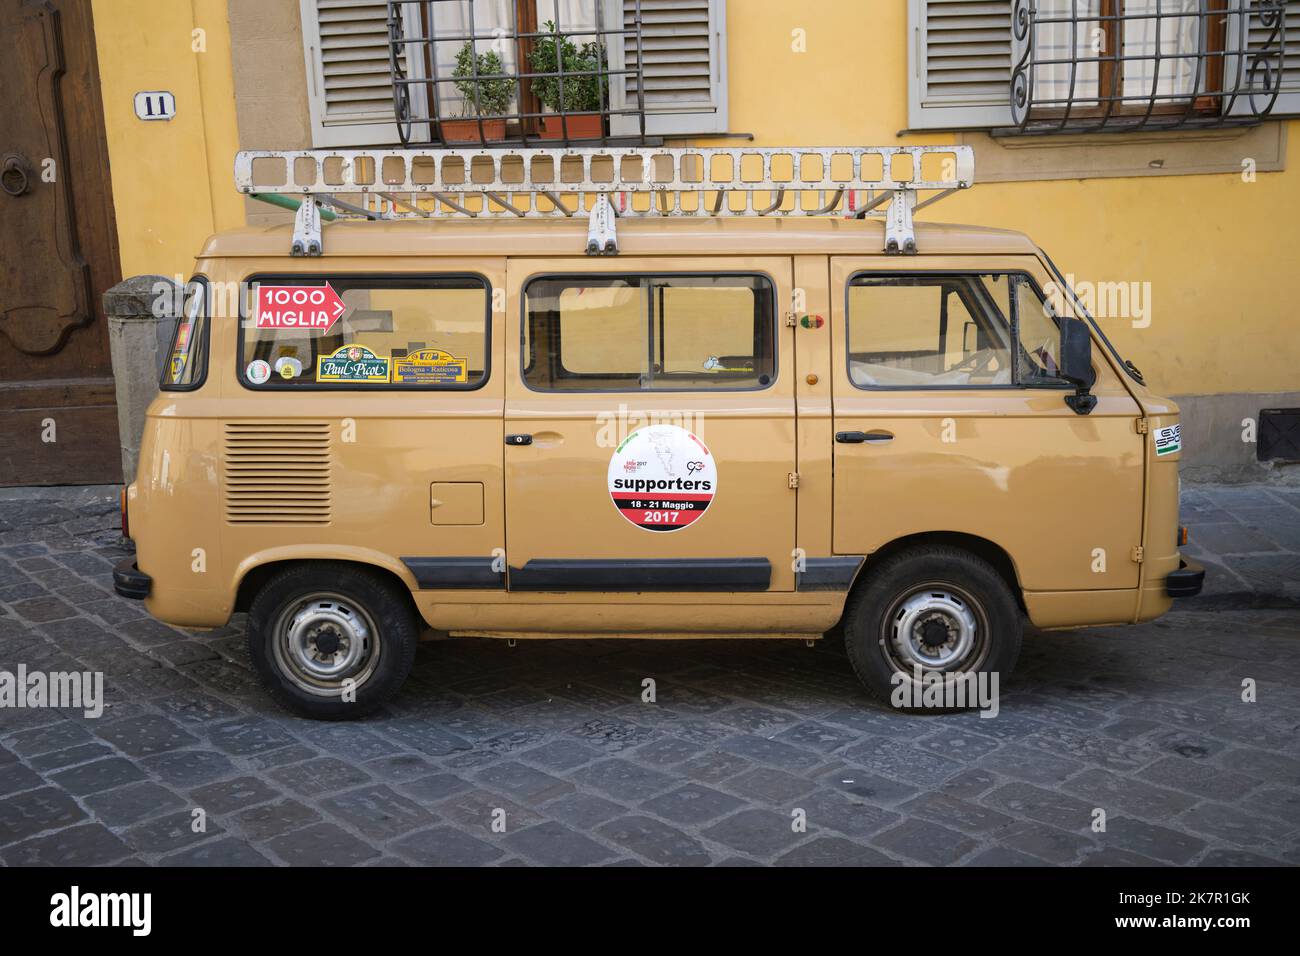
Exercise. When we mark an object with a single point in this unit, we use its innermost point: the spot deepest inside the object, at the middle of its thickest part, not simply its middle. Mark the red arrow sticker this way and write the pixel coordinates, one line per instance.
(314, 308)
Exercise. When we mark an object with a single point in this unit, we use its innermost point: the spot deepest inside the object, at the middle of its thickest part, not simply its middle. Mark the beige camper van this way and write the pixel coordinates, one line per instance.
(652, 402)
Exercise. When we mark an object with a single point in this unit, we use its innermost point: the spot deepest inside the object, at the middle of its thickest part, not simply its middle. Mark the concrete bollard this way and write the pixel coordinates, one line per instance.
(142, 314)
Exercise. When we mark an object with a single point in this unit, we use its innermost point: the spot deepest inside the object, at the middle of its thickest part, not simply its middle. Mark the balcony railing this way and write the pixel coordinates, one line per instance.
(464, 74)
(1085, 66)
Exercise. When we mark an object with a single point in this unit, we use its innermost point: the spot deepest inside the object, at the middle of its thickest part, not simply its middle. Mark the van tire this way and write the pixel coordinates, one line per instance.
(946, 585)
(366, 617)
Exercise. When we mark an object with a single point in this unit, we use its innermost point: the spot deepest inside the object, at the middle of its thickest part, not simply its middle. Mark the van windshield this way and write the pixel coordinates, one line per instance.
(1131, 370)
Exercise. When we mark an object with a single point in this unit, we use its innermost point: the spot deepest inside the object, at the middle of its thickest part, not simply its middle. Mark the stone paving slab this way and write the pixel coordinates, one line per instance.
(756, 752)
(1248, 539)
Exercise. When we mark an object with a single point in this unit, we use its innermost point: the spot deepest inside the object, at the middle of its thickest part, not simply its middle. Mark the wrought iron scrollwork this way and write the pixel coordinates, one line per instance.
(1272, 17)
(1022, 75)
(401, 91)
(1075, 71)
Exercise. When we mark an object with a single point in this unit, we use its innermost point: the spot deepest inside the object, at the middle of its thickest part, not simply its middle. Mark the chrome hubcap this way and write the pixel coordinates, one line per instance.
(323, 640)
(934, 629)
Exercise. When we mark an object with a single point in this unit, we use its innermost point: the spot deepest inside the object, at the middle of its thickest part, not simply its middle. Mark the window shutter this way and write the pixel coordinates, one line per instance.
(350, 86)
(684, 65)
(960, 64)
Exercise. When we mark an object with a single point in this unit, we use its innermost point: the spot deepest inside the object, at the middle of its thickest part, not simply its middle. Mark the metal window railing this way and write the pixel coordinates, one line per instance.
(1084, 66)
(504, 108)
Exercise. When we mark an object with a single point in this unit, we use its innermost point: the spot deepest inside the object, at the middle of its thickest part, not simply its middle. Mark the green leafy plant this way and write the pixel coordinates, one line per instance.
(581, 93)
(493, 95)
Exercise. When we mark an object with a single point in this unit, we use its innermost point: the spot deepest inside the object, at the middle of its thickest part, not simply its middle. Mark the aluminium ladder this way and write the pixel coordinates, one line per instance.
(606, 183)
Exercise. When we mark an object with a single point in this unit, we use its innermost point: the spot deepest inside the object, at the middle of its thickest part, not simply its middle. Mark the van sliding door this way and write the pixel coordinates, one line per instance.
(650, 426)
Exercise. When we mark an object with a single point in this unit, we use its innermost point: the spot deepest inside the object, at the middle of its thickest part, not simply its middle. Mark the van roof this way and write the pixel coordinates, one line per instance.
(636, 236)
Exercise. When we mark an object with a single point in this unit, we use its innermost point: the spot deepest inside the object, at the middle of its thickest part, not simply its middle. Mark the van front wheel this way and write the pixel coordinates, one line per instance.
(331, 641)
(927, 614)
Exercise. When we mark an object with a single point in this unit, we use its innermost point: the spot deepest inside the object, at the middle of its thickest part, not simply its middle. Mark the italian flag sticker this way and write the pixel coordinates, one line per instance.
(662, 478)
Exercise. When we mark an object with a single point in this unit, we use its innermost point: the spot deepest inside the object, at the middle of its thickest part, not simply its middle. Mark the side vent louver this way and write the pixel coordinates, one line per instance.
(277, 473)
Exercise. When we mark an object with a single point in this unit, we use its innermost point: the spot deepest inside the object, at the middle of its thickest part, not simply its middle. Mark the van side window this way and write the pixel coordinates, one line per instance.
(949, 331)
(1039, 337)
(364, 332)
(649, 332)
(187, 361)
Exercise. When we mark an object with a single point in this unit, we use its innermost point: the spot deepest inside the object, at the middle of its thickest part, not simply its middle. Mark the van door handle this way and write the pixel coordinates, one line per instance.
(858, 438)
(519, 439)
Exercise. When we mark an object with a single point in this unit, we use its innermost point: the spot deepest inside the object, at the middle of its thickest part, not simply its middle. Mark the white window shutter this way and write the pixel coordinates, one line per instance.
(349, 83)
(684, 66)
(959, 62)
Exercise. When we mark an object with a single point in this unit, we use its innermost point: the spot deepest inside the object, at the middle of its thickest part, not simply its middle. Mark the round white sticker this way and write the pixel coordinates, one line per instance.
(662, 478)
(257, 371)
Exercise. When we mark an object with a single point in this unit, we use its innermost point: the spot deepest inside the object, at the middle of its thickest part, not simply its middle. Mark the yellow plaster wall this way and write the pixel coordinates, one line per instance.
(171, 180)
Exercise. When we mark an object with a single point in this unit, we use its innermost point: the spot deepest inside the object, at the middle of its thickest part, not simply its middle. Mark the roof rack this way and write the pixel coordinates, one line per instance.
(605, 183)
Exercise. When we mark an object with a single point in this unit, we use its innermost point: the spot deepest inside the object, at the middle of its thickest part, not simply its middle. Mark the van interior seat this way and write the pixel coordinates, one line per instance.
(872, 373)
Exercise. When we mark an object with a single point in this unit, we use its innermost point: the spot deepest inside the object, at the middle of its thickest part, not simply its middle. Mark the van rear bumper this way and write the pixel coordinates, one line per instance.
(1186, 581)
(129, 581)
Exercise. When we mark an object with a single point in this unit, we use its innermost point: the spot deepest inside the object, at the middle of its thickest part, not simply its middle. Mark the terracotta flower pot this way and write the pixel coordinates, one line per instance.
(579, 127)
(466, 130)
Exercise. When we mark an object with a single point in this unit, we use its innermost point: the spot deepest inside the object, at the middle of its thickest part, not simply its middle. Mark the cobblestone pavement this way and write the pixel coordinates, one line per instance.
(1146, 723)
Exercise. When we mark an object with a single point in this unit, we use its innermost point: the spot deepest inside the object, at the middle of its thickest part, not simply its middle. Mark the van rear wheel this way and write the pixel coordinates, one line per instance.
(929, 613)
(331, 641)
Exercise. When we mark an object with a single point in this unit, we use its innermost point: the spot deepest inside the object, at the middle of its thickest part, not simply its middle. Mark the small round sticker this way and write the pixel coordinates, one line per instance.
(288, 367)
(257, 371)
(662, 478)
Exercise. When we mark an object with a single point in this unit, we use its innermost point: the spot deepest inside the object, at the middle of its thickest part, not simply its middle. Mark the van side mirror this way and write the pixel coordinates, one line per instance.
(1076, 364)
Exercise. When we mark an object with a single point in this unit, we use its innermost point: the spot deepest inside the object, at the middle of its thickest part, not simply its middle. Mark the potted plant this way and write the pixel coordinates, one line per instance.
(581, 93)
(482, 99)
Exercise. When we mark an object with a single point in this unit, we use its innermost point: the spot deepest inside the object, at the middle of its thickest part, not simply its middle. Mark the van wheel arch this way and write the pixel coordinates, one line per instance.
(983, 548)
(256, 577)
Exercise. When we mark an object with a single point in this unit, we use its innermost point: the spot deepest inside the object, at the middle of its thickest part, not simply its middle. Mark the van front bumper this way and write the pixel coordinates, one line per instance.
(1186, 581)
(129, 581)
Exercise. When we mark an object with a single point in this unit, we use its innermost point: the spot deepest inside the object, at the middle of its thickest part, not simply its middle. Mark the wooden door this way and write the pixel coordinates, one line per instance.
(58, 251)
